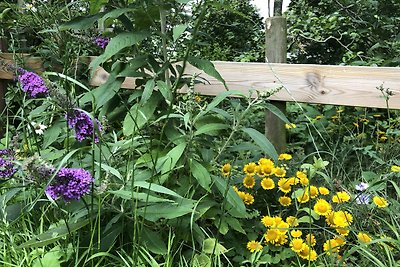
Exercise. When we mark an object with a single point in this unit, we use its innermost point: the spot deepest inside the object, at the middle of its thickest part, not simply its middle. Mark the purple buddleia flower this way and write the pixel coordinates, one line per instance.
(7, 168)
(101, 42)
(83, 125)
(32, 83)
(70, 184)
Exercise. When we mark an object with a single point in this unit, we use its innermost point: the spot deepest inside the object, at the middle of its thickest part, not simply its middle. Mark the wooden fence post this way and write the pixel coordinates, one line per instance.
(275, 39)
(3, 85)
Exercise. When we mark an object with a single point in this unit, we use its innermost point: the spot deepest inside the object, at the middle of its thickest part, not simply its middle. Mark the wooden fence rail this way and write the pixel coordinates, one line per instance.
(336, 85)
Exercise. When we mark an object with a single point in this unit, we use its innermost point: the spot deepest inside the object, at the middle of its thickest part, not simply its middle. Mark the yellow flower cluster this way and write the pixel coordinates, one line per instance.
(294, 191)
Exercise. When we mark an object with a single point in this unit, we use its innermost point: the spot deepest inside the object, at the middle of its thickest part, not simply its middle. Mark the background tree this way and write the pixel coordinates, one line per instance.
(364, 32)
(232, 31)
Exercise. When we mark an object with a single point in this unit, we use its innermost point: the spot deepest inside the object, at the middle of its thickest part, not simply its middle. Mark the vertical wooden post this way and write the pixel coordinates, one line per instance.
(3, 85)
(276, 51)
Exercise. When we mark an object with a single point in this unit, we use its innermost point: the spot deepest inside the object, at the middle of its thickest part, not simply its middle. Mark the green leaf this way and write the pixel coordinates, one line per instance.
(51, 258)
(144, 197)
(156, 188)
(153, 241)
(148, 90)
(216, 101)
(208, 67)
(81, 23)
(52, 134)
(96, 5)
(165, 210)
(178, 30)
(209, 128)
(54, 234)
(277, 112)
(235, 224)
(201, 174)
(211, 245)
(104, 92)
(201, 260)
(139, 115)
(169, 161)
(117, 43)
(110, 169)
(262, 142)
(165, 91)
(237, 207)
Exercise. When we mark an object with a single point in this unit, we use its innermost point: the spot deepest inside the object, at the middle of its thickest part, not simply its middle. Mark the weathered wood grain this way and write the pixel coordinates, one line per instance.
(336, 85)
(30, 63)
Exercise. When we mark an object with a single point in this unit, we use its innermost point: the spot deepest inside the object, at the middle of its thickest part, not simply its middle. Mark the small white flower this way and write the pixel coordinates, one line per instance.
(30, 7)
(362, 186)
(38, 127)
(82, 9)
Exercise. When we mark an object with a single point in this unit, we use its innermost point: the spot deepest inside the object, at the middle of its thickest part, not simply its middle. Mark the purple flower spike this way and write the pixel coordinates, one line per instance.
(83, 125)
(70, 184)
(7, 168)
(32, 83)
(101, 42)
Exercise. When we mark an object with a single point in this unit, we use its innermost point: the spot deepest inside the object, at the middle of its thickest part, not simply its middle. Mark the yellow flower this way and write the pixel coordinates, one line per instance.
(341, 197)
(290, 126)
(267, 184)
(249, 181)
(297, 244)
(197, 98)
(281, 240)
(322, 207)
(329, 218)
(323, 190)
(277, 220)
(234, 187)
(293, 180)
(395, 168)
(313, 255)
(302, 177)
(226, 169)
(266, 170)
(266, 162)
(284, 185)
(285, 156)
(311, 240)
(250, 168)
(340, 240)
(296, 233)
(305, 252)
(364, 238)
(285, 201)
(282, 227)
(279, 171)
(313, 191)
(303, 198)
(331, 245)
(380, 202)
(342, 231)
(342, 218)
(271, 236)
(292, 221)
(253, 246)
(268, 221)
(247, 198)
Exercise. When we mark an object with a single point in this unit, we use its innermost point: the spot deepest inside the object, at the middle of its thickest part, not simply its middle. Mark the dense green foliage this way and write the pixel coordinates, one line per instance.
(180, 180)
(365, 32)
(231, 31)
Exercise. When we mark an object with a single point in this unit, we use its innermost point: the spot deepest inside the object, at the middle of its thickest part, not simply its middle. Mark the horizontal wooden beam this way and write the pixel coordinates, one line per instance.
(336, 85)
(26, 61)
(322, 84)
